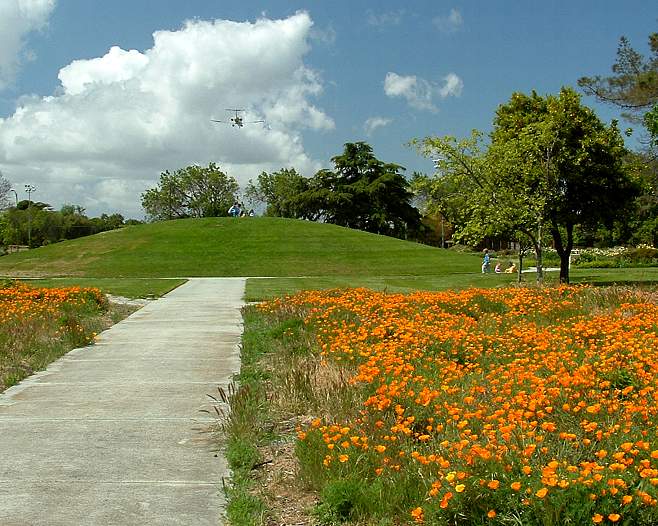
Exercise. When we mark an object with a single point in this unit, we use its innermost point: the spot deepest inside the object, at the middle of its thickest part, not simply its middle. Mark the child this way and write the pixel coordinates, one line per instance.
(486, 262)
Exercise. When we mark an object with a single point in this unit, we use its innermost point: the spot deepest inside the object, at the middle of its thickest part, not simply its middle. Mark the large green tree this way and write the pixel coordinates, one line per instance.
(551, 164)
(194, 191)
(279, 192)
(363, 193)
(579, 163)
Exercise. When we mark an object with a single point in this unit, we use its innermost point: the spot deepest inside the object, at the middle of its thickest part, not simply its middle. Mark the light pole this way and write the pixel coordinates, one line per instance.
(29, 189)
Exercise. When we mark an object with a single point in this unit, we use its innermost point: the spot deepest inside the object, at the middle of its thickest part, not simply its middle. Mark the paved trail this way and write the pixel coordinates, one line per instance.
(112, 434)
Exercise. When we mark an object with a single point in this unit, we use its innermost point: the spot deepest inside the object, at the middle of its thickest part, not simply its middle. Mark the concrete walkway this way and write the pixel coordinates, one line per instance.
(111, 434)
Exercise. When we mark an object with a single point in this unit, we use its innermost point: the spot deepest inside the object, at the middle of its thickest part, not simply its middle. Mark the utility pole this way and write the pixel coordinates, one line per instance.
(29, 189)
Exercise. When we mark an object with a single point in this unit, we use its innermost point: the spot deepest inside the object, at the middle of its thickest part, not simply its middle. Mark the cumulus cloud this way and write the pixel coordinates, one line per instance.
(450, 23)
(373, 123)
(420, 93)
(18, 18)
(119, 120)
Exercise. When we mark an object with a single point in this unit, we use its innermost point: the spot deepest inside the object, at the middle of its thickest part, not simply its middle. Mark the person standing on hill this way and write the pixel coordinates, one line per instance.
(235, 211)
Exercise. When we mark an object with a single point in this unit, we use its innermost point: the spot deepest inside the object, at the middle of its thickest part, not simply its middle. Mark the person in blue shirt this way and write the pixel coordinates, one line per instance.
(234, 211)
(486, 262)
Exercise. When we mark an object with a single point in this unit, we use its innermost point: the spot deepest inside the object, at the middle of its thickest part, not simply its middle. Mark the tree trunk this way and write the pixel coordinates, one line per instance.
(518, 274)
(563, 249)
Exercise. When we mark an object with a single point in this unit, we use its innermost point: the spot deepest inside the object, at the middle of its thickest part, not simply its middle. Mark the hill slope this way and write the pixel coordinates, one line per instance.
(235, 247)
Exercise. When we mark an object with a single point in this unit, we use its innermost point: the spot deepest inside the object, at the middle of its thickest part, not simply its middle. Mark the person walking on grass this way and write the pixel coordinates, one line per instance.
(486, 262)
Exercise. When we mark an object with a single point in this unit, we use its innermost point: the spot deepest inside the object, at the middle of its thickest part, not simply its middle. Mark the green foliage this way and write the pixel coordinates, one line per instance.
(194, 191)
(651, 123)
(37, 224)
(552, 164)
(634, 83)
(279, 191)
(362, 193)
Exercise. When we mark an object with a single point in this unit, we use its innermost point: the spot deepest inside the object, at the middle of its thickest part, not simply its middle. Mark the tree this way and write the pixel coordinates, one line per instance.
(579, 173)
(552, 164)
(279, 191)
(469, 191)
(634, 83)
(194, 191)
(363, 193)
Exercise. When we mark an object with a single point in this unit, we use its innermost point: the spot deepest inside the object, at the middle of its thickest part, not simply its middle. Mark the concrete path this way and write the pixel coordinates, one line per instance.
(111, 434)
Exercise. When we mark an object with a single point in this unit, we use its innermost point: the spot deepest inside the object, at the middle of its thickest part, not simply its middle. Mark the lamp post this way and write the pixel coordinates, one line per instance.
(29, 189)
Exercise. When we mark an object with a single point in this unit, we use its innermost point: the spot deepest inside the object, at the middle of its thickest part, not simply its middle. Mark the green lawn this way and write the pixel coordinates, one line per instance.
(235, 247)
(303, 254)
(261, 289)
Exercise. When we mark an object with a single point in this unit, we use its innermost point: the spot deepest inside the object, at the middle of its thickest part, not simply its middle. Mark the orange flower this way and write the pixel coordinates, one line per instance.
(493, 484)
(614, 517)
(516, 486)
(417, 514)
(597, 518)
(491, 514)
(541, 493)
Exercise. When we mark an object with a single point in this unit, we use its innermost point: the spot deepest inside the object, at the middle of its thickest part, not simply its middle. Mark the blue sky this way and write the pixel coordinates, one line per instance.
(92, 108)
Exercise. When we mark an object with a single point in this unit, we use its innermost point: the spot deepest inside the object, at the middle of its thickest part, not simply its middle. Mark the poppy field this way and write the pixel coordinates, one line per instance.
(37, 325)
(485, 406)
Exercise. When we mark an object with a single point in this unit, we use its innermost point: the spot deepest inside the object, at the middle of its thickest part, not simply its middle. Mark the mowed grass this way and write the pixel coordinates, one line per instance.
(236, 247)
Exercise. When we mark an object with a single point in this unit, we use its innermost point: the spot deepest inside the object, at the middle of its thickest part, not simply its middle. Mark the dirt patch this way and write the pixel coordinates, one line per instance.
(278, 484)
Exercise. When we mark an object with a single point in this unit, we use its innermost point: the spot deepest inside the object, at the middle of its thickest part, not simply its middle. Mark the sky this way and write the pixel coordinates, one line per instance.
(98, 98)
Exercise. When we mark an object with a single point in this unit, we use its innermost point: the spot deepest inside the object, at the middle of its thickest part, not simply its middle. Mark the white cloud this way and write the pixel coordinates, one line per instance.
(120, 119)
(373, 123)
(452, 86)
(388, 18)
(18, 18)
(450, 23)
(420, 93)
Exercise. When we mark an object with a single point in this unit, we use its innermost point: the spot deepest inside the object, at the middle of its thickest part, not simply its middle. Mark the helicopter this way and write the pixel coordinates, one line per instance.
(237, 121)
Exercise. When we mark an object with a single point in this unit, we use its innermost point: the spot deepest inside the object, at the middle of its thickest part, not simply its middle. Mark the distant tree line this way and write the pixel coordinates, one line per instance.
(36, 224)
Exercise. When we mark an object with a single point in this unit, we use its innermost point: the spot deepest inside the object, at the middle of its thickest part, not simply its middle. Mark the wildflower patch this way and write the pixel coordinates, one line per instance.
(525, 406)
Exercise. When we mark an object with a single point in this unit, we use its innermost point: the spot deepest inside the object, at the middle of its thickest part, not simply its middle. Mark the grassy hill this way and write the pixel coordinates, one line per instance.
(235, 247)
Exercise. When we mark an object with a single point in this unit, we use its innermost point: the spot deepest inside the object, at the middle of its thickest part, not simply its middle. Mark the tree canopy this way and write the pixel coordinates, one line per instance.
(633, 84)
(361, 192)
(194, 191)
(279, 192)
(551, 164)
